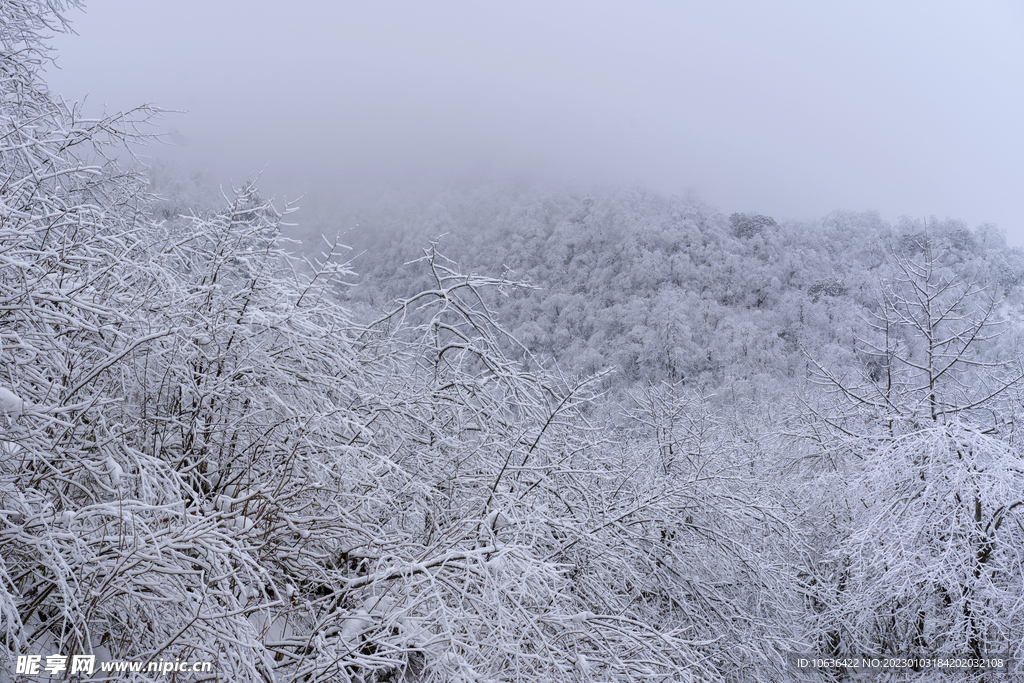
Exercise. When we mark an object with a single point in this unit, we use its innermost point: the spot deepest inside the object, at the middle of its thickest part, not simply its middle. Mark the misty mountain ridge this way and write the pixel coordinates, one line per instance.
(660, 288)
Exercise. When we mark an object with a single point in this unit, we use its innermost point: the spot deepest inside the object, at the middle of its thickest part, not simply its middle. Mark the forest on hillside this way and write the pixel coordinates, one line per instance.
(513, 433)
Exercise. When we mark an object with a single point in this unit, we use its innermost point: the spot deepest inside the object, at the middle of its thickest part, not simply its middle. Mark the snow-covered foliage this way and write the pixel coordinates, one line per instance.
(205, 455)
(245, 475)
(205, 458)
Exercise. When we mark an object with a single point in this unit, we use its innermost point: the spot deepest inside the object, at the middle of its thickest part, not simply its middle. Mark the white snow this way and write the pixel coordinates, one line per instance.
(11, 403)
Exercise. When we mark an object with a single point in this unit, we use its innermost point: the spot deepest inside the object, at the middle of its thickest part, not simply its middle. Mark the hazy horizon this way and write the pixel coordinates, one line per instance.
(792, 110)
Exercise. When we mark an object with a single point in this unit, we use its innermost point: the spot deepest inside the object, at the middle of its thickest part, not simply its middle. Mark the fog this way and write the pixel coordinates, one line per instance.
(793, 109)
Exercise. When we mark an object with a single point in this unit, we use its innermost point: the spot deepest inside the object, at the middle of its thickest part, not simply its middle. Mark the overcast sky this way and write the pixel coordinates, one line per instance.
(790, 108)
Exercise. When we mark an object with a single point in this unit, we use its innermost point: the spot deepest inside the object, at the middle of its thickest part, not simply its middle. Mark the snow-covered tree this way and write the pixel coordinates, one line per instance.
(928, 519)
